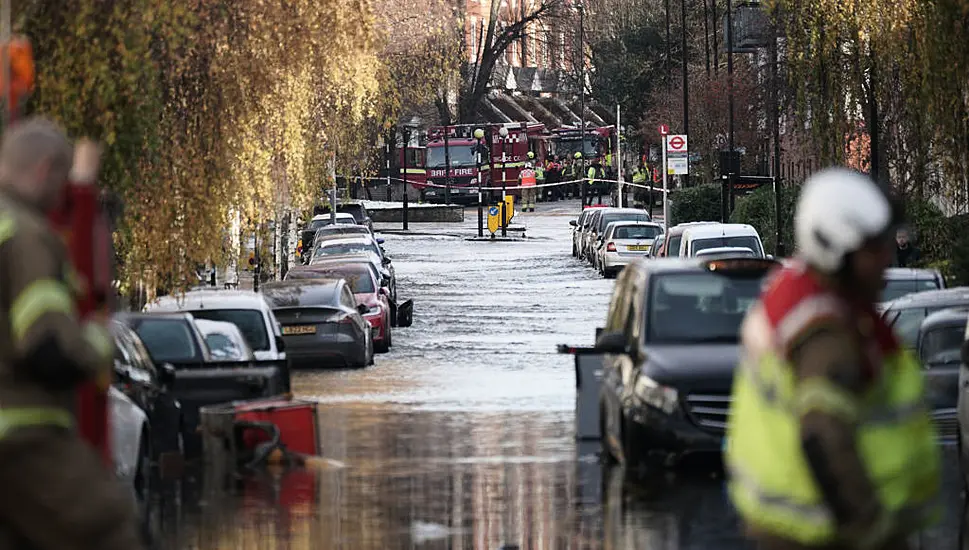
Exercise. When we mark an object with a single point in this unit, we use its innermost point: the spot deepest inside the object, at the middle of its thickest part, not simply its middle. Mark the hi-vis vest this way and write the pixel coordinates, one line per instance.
(639, 176)
(528, 177)
(771, 483)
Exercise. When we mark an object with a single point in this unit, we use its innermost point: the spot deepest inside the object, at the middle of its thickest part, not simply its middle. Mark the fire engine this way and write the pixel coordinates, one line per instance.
(599, 143)
(502, 159)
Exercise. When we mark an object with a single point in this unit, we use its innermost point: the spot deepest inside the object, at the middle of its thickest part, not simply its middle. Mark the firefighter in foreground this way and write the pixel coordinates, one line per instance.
(829, 443)
(527, 180)
(57, 492)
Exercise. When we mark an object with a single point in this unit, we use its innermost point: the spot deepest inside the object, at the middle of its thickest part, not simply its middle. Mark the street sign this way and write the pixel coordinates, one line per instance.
(677, 155)
(676, 144)
(664, 129)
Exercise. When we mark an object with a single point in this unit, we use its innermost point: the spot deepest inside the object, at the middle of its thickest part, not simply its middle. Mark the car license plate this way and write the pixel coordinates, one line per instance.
(300, 329)
(638, 248)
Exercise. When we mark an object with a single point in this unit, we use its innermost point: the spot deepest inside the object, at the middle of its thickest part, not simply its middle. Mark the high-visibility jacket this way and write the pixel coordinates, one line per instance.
(771, 484)
(527, 177)
(540, 174)
(46, 351)
(594, 173)
(639, 176)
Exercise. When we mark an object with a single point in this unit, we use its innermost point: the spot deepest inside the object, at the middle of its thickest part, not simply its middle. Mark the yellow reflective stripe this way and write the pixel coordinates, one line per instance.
(40, 297)
(818, 394)
(11, 419)
(99, 338)
(7, 228)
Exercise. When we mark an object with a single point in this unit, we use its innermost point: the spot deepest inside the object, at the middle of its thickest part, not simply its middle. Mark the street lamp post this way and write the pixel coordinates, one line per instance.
(406, 145)
(581, 9)
(730, 174)
(686, 87)
(478, 136)
(503, 132)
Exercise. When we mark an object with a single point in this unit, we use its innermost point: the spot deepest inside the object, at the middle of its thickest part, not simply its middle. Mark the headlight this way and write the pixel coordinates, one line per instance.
(374, 310)
(655, 394)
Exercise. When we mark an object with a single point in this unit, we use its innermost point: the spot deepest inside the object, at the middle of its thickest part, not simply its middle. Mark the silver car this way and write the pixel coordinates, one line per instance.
(225, 341)
(622, 243)
(322, 324)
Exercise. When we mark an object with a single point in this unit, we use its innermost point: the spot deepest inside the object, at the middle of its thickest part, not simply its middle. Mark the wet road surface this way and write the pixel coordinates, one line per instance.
(462, 436)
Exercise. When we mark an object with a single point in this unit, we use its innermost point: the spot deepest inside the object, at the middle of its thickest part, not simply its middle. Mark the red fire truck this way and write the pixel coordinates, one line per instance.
(502, 159)
(599, 143)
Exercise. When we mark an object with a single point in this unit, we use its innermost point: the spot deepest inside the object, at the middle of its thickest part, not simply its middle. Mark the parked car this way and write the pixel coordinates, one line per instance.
(721, 235)
(623, 242)
(149, 386)
(939, 348)
(671, 245)
(355, 209)
(724, 252)
(199, 379)
(341, 229)
(322, 323)
(308, 234)
(656, 246)
(342, 250)
(367, 289)
(907, 313)
(671, 346)
(225, 341)
(602, 218)
(247, 310)
(131, 447)
(578, 225)
(900, 281)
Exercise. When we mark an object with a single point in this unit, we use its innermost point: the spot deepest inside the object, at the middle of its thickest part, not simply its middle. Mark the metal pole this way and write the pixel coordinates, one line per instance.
(406, 143)
(776, 120)
(666, 198)
(619, 155)
(389, 153)
(504, 191)
(480, 203)
(582, 182)
(668, 65)
(256, 270)
(447, 166)
(685, 178)
(730, 174)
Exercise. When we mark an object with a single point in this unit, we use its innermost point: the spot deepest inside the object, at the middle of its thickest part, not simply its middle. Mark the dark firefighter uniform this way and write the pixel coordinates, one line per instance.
(57, 492)
(829, 444)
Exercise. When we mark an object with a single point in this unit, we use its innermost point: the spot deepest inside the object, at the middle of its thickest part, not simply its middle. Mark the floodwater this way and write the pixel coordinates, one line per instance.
(462, 436)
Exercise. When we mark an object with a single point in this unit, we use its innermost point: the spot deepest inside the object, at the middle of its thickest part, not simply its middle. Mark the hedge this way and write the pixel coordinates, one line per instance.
(757, 209)
(695, 204)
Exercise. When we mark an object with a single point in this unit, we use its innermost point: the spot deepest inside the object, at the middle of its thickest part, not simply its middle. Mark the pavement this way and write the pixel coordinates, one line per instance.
(462, 436)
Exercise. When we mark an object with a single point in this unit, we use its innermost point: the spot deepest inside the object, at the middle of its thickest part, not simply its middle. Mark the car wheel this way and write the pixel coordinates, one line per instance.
(383, 346)
(389, 334)
(630, 454)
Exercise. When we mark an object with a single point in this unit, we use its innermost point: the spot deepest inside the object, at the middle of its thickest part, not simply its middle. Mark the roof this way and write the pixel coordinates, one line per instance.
(305, 292)
(929, 298)
(681, 227)
(324, 268)
(947, 317)
(721, 230)
(339, 215)
(209, 299)
(724, 250)
(896, 273)
(623, 223)
(687, 265)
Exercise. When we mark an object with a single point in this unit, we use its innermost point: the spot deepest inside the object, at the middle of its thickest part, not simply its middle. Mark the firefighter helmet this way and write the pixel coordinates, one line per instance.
(531, 155)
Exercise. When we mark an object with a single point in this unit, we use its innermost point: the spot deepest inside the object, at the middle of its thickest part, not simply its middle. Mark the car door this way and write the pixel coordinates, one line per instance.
(348, 301)
(615, 366)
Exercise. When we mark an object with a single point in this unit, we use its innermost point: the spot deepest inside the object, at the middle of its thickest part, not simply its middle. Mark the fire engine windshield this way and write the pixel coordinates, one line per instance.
(461, 155)
(568, 147)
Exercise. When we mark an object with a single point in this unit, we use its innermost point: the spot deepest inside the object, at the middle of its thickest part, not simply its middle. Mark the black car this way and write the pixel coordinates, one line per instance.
(939, 344)
(355, 209)
(199, 379)
(150, 387)
(907, 313)
(671, 346)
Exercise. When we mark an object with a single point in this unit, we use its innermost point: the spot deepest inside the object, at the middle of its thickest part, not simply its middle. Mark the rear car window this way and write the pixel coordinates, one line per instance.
(250, 323)
(222, 347)
(636, 232)
(739, 241)
(941, 346)
(168, 340)
(896, 288)
(606, 219)
(330, 249)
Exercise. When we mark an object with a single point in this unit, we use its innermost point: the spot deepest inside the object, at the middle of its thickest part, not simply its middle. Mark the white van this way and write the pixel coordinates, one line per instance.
(722, 235)
(246, 309)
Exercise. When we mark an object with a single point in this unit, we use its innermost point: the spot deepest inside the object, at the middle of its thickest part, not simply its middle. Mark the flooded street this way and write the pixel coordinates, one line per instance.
(462, 437)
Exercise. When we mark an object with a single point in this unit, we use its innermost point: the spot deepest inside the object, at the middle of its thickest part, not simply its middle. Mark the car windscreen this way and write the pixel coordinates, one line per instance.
(250, 322)
(461, 155)
(636, 232)
(168, 340)
(699, 307)
(606, 219)
(942, 345)
(896, 288)
(342, 249)
(906, 322)
(739, 241)
(223, 348)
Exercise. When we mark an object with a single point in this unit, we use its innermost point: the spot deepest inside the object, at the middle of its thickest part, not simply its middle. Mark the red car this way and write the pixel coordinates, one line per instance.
(366, 289)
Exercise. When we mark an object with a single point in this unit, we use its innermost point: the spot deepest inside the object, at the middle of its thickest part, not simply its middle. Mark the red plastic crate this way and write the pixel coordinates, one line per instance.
(296, 420)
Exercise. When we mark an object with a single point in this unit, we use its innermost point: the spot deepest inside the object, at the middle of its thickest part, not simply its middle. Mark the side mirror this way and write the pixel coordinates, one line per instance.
(380, 241)
(573, 223)
(280, 344)
(120, 372)
(362, 308)
(386, 261)
(612, 342)
(385, 281)
(166, 374)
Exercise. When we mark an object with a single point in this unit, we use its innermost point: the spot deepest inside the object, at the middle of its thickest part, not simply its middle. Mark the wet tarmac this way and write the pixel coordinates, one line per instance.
(462, 436)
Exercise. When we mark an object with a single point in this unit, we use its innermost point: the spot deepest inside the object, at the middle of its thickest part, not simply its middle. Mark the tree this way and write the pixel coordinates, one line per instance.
(504, 27)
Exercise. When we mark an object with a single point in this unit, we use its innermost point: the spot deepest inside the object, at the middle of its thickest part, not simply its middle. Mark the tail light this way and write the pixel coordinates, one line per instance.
(611, 247)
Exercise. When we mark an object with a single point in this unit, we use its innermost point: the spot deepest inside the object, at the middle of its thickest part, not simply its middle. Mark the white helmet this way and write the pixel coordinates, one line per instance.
(839, 210)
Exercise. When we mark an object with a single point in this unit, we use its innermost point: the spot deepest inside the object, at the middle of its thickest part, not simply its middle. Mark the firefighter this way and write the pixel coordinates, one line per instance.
(527, 180)
(829, 444)
(57, 492)
(553, 169)
(539, 179)
(640, 177)
(577, 175)
(593, 176)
